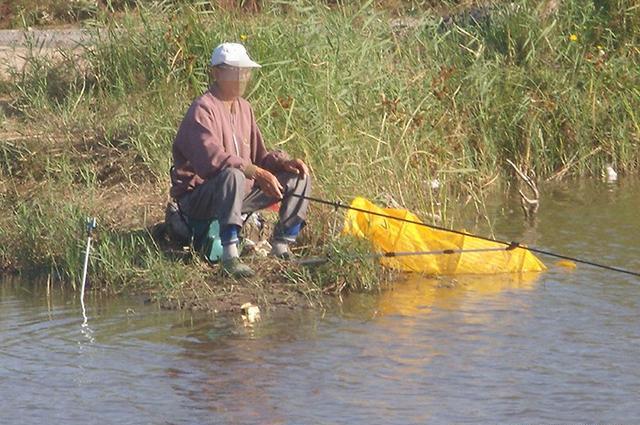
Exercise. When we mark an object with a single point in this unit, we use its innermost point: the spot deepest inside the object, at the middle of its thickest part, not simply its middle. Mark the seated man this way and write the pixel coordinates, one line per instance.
(222, 168)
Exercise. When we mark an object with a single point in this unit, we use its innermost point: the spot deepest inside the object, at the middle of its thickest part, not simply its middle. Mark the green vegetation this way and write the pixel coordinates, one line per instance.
(378, 105)
(18, 13)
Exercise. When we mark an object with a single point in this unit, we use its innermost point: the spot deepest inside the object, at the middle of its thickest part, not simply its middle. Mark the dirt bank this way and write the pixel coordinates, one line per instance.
(17, 46)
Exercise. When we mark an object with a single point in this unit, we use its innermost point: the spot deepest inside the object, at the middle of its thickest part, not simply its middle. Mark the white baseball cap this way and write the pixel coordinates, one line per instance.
(233, 54)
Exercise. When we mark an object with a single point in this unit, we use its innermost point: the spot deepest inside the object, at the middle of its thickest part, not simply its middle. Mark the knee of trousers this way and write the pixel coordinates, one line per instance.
(227, 184)
(231, 178)
(231, 173)
(293, 179)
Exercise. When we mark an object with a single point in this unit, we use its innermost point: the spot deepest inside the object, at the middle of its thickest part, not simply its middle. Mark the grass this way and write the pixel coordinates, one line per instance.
(377, 109)
(17, 13)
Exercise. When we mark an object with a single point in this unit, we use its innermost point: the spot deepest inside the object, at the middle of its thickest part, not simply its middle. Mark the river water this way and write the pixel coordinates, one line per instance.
(558, 347)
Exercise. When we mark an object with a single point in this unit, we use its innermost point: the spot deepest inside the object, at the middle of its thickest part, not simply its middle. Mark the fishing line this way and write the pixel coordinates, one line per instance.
(512, 244)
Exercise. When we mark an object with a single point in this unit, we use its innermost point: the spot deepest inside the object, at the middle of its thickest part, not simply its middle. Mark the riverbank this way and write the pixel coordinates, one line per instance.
(378, 107)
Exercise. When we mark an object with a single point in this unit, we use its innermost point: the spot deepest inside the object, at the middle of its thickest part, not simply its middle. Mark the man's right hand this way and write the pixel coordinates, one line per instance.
(268, 183)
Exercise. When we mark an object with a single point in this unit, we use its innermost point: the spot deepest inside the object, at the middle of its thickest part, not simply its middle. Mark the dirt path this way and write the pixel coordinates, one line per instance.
(18, 45)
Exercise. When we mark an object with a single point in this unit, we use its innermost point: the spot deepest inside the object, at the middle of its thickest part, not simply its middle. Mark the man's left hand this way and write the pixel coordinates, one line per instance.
(296, 166)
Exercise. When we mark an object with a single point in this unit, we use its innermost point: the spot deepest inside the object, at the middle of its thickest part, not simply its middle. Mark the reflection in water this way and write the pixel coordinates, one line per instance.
(419, 294)
(555, 347)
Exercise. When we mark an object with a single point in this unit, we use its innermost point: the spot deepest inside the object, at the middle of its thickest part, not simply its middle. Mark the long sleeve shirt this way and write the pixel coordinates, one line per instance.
(211, 138)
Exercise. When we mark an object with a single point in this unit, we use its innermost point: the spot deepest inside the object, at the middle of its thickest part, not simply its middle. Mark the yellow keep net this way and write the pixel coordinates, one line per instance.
(389, 235)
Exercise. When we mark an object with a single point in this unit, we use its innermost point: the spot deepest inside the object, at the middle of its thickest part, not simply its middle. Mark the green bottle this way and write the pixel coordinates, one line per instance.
(206, 238)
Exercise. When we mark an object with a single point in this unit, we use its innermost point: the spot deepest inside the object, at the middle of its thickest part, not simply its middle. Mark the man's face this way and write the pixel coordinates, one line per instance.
(232, 81)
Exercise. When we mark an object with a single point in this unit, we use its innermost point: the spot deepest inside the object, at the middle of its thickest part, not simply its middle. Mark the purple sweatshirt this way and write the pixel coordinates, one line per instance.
(212, 138)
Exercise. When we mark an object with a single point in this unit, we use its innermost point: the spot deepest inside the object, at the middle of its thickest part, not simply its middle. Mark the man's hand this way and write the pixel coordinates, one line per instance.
(296, 166)
(268, 183)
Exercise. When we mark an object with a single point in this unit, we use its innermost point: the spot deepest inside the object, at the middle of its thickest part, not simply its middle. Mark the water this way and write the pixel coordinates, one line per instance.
(561, 347)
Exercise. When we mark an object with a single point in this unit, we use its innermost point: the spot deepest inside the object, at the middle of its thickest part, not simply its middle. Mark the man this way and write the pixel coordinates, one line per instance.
(222, 168)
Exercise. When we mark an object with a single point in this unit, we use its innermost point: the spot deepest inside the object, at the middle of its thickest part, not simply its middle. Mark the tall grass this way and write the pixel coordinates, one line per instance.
(376, 108)
(364, 104)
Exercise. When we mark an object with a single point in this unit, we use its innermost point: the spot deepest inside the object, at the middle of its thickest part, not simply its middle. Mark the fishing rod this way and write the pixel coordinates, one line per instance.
(321, 260)
(512, 244)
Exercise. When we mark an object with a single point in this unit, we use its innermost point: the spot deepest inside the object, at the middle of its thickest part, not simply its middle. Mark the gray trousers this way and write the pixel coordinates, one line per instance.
(223, 197)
